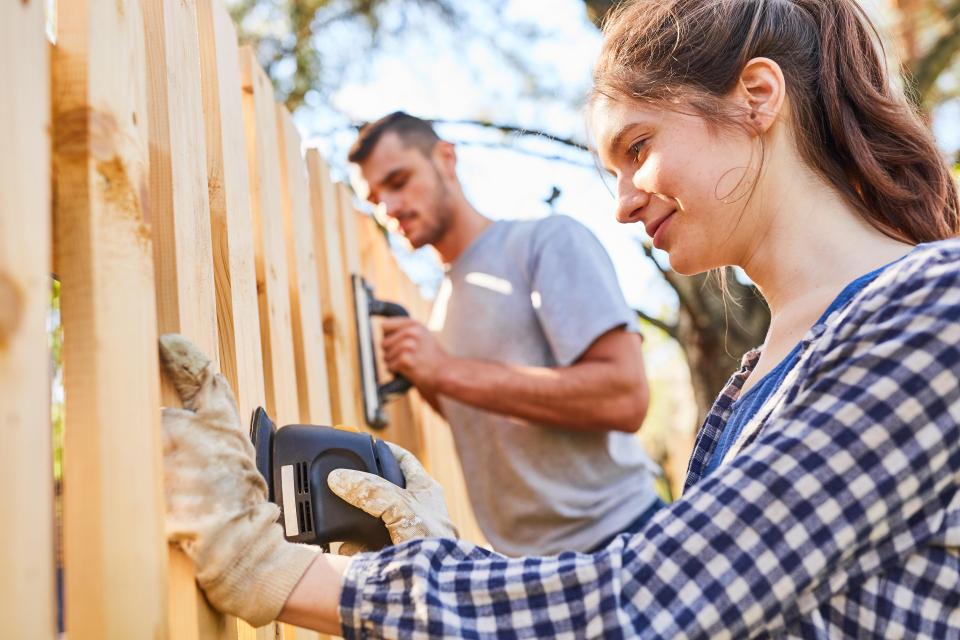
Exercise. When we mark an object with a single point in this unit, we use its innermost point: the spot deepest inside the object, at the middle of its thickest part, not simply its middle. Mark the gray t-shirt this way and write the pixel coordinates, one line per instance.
(539, 293)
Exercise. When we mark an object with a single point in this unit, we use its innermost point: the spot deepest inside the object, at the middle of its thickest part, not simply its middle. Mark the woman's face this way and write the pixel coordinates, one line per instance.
(687, 182)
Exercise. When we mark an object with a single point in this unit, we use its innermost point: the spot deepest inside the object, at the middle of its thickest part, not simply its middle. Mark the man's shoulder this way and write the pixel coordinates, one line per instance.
(560, 224)
(557, 224)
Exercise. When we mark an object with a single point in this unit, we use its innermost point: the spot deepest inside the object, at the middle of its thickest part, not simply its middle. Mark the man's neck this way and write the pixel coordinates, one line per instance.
(466, 226)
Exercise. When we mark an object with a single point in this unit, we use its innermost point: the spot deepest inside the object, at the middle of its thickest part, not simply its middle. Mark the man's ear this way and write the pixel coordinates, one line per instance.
(761, 91)
(445, 156)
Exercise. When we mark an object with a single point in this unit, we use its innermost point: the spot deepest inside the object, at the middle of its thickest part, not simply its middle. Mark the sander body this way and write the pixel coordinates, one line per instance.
(295, 462)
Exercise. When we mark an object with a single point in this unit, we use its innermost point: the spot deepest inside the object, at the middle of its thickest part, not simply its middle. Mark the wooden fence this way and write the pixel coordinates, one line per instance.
(145, 162)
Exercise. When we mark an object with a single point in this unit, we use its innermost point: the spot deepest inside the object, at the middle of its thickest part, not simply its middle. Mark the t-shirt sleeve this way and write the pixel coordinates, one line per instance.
(574, 288)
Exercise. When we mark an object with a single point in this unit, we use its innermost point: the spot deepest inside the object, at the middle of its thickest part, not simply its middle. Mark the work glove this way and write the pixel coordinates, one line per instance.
(418, 511)
(217, 508)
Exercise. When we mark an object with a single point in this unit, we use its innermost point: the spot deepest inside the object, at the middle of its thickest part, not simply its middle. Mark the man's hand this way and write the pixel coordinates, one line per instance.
(411, 350)
(217, 509)
(418, 511)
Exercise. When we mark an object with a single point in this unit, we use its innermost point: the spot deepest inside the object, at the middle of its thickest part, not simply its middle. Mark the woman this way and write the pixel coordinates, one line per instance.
(822, 498)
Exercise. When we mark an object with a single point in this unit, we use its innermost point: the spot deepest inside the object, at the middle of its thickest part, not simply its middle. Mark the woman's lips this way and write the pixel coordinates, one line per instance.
(656, 230)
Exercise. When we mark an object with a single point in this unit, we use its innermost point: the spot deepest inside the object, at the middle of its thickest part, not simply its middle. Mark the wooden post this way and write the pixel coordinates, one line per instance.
(241, 357)
(183, 257)
(27, 603)
(305, 302)
(114, 545)
(337, 296)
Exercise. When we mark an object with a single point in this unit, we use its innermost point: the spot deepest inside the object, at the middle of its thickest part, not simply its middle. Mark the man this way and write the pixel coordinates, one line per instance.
(534, 358)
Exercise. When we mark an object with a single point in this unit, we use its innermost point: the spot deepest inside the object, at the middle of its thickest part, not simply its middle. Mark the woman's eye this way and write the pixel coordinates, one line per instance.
(637, 148)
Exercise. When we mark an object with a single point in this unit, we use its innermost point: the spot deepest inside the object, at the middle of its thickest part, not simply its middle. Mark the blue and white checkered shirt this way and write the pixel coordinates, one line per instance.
(836, 514)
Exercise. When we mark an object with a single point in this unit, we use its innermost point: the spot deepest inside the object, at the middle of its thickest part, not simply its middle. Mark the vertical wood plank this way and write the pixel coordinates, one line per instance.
(381, 269)
(336, 296)
(183, 260)
(270, 257)
(350, 250)
(27, 603)
(114, 547)
(241, 356)
(308, 340)
(273, 279)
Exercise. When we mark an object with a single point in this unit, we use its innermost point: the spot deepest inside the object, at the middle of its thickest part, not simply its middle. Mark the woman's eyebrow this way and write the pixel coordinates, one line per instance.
(618, 139)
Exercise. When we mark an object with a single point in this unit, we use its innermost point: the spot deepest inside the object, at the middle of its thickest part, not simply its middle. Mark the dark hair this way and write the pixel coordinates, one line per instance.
(852, 127)
(412, 130)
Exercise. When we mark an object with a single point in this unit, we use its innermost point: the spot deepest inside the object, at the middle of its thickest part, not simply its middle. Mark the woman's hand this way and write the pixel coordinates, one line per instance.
(418, 511)
(217, 508)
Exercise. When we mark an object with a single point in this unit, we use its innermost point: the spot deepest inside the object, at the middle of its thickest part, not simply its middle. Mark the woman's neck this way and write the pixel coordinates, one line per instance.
(813, 245)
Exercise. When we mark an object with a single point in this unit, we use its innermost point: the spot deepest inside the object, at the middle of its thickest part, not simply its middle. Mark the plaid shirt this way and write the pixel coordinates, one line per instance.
(836, 514)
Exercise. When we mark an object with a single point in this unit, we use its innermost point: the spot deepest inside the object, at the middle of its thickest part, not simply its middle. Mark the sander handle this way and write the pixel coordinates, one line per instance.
(385, 309)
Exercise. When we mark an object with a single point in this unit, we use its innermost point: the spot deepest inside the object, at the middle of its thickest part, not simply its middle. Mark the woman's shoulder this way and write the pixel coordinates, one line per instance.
(924, 283)
(932, 265)
(940, 251)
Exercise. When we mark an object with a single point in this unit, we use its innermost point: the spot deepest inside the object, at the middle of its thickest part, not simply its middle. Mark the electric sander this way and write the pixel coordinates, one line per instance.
(296, 460)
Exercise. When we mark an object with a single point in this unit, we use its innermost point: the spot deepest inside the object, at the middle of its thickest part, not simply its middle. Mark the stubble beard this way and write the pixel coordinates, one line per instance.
(442, 218)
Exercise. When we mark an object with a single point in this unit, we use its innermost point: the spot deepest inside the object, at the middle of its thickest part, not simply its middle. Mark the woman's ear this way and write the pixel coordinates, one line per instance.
(762, 91)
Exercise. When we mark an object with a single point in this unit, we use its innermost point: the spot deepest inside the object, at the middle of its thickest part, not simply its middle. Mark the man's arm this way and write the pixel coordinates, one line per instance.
(605, 389)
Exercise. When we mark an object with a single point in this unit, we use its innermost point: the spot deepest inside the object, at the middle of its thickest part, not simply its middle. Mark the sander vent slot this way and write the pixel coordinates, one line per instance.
(305, 516)
(300, 478)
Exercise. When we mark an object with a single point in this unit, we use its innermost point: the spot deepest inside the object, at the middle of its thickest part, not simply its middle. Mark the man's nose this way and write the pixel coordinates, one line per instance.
(392, 204)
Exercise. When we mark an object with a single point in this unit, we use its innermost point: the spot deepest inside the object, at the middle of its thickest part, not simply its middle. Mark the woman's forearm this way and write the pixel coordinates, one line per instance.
(314, 603)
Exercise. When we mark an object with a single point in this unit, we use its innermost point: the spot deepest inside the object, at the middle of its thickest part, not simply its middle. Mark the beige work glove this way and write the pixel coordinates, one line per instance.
(217, 509)
(418, 511)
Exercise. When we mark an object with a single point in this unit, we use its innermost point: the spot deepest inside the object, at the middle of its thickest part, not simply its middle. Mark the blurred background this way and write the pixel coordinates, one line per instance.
(505, 80)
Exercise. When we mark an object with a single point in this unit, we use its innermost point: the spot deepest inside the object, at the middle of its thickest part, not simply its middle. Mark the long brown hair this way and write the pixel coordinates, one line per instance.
(851, 125)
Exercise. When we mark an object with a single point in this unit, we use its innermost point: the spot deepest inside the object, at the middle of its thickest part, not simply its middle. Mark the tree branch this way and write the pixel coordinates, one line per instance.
(669, 329)
(925, 70)
(518, 130)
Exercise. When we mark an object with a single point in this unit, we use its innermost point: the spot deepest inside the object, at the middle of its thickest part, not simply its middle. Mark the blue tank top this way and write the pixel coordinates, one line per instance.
(750, 403)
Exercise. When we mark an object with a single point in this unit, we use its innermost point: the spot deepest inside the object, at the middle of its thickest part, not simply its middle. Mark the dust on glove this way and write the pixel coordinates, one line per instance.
(217, 508)
(418, 511)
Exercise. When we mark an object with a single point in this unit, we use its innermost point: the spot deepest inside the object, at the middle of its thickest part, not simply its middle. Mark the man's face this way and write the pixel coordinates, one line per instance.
(410, 188)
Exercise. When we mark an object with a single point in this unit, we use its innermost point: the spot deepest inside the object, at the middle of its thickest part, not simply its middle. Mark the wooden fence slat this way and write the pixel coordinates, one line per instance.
(350, 248)
(384, 274)
(335, 294)
(183, 256)
(114, 546)
(241, 356)
(304, 287)
(273, 280)
(27, 604)
(263, 157)
(235, 275)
